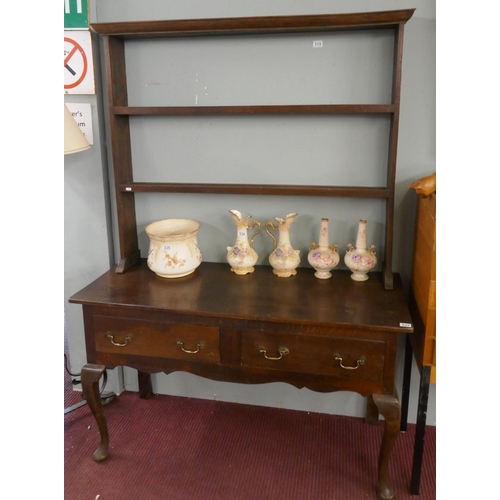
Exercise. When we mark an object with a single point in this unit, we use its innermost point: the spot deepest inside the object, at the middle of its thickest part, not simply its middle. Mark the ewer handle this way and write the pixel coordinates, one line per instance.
(276, 228)
(254, 223)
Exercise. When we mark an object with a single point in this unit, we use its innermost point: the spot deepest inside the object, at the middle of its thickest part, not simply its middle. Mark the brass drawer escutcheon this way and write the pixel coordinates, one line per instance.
(199, 345)
(128, 339)
(282, 350)
(360, 361)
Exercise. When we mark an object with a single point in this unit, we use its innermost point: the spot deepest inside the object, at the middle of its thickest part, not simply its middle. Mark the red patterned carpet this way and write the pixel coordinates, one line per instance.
(188, 449)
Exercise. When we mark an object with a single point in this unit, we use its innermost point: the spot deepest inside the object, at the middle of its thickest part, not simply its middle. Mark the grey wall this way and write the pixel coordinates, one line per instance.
(311, 150)
(88, 246)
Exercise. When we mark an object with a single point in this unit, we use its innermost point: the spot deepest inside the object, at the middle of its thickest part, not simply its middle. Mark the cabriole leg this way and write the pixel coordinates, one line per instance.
(390, 409)
(371, 411)
(90, 376)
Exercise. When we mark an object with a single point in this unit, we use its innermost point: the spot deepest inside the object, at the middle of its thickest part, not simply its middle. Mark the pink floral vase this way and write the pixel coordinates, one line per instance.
(323, 258)
(359, 259)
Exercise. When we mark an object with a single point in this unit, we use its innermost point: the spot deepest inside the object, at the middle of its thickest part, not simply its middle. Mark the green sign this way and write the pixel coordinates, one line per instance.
(76, 14)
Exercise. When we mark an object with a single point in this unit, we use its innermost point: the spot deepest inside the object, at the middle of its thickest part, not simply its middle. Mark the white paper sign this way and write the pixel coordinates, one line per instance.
(82, 114)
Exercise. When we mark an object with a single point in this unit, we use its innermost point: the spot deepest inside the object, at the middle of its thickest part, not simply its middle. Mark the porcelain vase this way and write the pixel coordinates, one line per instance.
(359, 259)
(284, 259)
(241, 256)
(323, 257)
(173, 249)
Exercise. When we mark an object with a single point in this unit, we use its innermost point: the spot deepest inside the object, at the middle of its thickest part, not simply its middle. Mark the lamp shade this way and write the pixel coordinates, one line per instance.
(74, 140)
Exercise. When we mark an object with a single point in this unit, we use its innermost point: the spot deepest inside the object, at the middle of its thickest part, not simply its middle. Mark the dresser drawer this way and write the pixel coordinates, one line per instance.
(340, 357)
(156, 339)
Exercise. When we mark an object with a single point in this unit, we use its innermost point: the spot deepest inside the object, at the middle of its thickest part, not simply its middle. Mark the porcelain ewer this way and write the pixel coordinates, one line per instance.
(284, 259)
(241, 256)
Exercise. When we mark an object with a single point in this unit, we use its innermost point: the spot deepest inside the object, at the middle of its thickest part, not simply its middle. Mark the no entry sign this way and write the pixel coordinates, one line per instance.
(78, 63)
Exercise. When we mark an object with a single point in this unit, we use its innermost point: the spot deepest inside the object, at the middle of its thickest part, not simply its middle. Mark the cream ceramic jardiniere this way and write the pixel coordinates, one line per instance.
(173, 249)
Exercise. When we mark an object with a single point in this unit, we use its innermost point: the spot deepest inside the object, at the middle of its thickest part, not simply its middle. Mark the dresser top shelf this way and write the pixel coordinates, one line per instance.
(213, 290)
(254, 25)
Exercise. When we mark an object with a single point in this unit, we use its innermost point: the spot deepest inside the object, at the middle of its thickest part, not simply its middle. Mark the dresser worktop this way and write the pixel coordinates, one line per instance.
(213, 290)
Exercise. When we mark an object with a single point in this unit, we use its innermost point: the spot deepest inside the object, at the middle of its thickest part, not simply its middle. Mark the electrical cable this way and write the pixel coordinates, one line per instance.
(106, 398)
(75, 382)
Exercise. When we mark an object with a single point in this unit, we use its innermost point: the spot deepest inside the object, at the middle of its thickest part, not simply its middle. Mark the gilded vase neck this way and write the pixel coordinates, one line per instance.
(323, 234)
(361, 238)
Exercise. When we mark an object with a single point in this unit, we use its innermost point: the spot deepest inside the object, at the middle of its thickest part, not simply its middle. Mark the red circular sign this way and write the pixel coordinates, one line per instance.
(76, 48)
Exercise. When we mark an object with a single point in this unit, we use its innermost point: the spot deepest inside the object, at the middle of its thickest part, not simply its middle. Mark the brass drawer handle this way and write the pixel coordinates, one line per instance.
(199, 345)
(360, 361)
(282, 350)
(128, 339)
